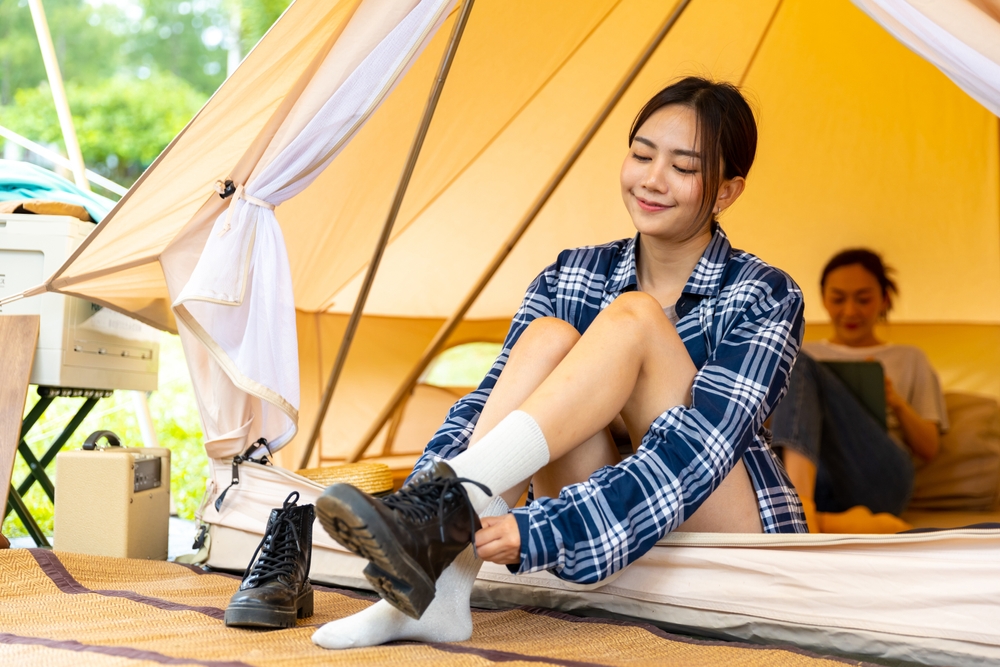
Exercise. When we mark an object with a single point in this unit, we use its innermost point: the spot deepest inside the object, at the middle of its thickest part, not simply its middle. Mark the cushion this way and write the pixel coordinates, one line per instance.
(965, 476)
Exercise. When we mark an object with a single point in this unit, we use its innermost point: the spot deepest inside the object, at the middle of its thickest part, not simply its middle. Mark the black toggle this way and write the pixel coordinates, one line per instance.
(229, 189)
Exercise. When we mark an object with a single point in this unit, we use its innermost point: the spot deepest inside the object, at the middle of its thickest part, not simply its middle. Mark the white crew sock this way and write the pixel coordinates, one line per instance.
(513, 451)
(447, 619)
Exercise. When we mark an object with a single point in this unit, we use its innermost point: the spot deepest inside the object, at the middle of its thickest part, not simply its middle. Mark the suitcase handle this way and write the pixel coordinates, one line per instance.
(91, 442)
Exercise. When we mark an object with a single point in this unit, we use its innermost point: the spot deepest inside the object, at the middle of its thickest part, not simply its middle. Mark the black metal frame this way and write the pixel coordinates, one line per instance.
(36, 466)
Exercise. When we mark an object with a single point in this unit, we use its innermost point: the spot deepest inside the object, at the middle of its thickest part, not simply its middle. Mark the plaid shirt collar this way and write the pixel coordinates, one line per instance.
(705, 280)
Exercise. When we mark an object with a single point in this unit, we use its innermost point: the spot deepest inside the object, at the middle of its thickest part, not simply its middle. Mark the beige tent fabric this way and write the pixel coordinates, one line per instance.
(862, 143)
(238, 300)
(961, 38)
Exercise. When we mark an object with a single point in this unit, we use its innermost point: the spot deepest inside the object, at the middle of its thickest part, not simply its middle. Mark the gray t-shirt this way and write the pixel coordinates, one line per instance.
(906, 366)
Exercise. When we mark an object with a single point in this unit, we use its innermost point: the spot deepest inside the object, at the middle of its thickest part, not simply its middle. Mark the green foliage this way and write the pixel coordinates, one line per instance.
(122, 123)
(462, 365)
(135, 70)
(175, 417)
(86, 50)
(257, 17)
(187, 39)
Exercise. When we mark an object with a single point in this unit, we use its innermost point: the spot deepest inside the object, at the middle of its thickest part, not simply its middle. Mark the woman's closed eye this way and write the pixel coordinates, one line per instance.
(641, 158)
(682, 170)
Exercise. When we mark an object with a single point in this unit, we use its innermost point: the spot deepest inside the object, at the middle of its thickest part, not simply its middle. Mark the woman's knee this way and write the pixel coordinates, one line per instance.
(546, 338)
(636, 307)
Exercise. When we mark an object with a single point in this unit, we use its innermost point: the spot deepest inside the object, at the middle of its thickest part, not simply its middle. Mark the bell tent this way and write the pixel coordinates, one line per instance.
(863, 141)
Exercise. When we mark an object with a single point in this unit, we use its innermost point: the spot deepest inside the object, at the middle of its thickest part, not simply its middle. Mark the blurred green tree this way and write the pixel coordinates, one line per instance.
(85, 48)
(135, 70)
(122, 122)
(256, 18)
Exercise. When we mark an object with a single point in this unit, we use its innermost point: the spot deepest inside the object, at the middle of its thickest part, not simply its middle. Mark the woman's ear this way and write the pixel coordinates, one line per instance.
(729, 192)
(883, 312)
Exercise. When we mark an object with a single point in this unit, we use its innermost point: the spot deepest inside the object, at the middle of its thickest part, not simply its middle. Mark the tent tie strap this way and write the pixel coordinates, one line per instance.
(228, 189)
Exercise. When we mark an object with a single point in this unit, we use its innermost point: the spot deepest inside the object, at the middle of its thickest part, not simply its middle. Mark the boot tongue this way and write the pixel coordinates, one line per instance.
(435, 469)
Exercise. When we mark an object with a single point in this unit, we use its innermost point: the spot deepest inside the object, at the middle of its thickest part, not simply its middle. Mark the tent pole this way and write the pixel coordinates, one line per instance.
(404, 180)
(452, 323)
(58, 93)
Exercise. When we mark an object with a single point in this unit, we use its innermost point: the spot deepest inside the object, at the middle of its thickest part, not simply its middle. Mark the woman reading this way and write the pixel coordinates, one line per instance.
(852, 475)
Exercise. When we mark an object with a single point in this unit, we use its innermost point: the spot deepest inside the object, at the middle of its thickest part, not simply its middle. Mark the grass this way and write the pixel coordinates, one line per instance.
(462, 365)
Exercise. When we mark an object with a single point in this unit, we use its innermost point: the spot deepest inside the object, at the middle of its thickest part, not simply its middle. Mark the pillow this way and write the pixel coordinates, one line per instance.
(965, 476)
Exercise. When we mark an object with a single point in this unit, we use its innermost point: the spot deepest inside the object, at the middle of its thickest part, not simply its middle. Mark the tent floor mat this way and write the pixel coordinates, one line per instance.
(74, 610)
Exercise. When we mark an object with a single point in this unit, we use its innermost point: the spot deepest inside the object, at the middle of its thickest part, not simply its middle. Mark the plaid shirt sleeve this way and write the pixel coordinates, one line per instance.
(453, 437)
(599, 526)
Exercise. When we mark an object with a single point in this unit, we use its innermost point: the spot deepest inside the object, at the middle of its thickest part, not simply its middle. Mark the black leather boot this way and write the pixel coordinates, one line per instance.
(275, 589)
(410, 537)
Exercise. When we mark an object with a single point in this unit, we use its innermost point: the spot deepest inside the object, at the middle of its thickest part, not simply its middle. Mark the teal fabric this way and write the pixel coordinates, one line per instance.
(22, 180)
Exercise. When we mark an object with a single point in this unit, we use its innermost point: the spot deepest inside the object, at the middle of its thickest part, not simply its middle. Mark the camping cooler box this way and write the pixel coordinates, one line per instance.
(80, 344)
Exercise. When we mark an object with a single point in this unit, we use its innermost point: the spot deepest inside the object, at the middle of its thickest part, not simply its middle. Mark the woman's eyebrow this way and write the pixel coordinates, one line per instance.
(686, 153)
(683, 152)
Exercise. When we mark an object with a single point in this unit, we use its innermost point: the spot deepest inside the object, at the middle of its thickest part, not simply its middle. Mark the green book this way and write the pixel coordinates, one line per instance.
(866, 380)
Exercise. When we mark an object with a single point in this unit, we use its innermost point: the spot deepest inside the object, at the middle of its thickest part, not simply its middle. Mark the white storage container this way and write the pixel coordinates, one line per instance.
(80, 344)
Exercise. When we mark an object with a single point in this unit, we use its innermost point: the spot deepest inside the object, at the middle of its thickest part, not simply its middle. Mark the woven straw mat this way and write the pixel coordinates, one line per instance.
(60, 609)
(373, 478)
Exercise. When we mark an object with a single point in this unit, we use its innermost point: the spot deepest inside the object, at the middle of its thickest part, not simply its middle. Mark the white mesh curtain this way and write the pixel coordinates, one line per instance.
(960, 37)
(238, 301)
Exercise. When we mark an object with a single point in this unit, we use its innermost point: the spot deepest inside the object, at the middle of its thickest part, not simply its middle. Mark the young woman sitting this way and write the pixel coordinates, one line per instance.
(680, 338)
(853, 476)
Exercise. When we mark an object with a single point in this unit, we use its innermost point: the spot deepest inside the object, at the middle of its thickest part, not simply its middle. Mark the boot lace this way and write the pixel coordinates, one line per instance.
(278, 550)
(421, 501)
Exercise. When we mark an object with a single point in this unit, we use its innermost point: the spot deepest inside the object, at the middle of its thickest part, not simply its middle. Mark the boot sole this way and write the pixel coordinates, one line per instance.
(258, 616)
(354, 524)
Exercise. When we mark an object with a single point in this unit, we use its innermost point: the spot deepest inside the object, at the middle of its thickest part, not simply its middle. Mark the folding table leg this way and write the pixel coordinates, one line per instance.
(15, 503)
(38, 468)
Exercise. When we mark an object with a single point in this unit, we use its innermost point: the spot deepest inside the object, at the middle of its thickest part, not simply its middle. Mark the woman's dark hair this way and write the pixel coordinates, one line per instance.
(726, 129)
(872, 263)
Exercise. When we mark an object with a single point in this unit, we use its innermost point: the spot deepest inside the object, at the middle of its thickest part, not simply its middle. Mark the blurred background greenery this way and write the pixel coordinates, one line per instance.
(136, 71)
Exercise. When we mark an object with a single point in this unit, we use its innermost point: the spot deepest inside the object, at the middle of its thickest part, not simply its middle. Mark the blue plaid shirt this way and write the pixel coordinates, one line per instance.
(741, 321)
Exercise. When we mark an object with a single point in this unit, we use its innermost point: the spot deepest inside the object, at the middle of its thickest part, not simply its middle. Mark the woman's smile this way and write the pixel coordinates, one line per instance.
(650, 205)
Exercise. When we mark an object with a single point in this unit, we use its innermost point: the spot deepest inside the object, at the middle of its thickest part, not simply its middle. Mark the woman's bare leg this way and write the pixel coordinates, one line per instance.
(541, 347)
(630, 361)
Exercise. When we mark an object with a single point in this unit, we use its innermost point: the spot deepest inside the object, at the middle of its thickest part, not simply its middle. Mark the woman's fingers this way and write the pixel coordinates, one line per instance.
(499, 541)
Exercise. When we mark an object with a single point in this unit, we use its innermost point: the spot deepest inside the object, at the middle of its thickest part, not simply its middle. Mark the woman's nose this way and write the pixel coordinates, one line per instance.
(655, 178)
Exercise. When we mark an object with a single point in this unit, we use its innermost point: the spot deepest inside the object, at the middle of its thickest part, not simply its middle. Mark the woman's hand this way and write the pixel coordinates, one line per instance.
(892, 397)
(499, 540)
(922, 435)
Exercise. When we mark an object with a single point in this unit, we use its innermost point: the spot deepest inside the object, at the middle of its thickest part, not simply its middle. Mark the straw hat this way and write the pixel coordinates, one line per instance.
(373, 478)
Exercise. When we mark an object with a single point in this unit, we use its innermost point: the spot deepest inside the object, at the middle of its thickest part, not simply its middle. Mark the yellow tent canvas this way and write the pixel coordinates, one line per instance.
(862, 143)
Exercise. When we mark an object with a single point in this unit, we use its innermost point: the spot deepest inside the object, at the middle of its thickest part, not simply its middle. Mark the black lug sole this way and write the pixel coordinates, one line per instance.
(411, 600)
(349, 519)
(256, 615)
